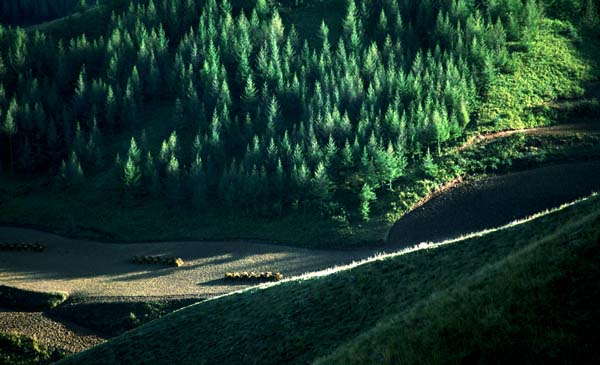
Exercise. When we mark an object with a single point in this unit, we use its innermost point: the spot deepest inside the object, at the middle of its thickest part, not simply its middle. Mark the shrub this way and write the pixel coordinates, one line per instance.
(20, 350)
(15, 298)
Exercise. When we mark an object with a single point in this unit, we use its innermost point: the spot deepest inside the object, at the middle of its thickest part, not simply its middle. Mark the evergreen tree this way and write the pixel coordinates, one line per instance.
(394, 165)
(322, 185)
(366, 197)
(9, 127)
(173, 180)
(430, 168)
(132, 172)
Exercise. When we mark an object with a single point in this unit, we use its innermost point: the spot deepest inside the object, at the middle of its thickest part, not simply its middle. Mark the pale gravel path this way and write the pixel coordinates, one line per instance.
(50, 333)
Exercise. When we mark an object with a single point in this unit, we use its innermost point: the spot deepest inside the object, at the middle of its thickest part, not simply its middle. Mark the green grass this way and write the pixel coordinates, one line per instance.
(537, 306)
(114, 318)
(556, 64)
(20, 350)
(299, 321)
(21, 299)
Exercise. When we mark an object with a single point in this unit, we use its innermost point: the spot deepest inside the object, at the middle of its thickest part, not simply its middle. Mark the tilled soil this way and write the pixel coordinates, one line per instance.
(494, 202)
(50, 333)
(92, 269)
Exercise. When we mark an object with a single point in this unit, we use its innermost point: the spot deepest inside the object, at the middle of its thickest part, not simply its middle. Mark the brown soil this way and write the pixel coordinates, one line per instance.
(494, 202)
(91, 269)
(50, 333)
(557, 130)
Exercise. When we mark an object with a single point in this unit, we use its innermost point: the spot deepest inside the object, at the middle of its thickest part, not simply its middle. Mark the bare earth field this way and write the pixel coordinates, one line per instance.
(495, 201)
(93, 269)
(49, 332)
(102, 272)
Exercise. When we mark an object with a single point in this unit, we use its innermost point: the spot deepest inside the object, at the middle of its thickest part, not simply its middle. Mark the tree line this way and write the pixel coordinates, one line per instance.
(262, 121)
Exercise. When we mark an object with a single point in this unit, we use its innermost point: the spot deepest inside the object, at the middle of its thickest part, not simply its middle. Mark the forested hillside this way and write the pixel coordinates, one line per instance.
(237, 105)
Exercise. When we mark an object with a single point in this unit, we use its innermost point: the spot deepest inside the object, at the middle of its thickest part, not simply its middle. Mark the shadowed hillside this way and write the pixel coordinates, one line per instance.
(300, 321)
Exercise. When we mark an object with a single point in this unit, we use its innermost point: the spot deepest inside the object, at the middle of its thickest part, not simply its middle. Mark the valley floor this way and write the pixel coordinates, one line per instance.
(94, 269)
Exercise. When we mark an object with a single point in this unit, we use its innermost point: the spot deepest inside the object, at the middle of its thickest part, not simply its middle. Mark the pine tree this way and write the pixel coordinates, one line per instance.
(366, 197)
(150, 175)
(430, 168)
(9, 127)
(198, 183)
(395, 165)
(173, 180)
(322, 185)
(131, 174)
(277, 28)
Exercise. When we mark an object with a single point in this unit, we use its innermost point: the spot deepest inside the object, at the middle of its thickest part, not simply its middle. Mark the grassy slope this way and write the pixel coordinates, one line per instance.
(15, 298)
(539, 305)
(300, 321)
(556, 64)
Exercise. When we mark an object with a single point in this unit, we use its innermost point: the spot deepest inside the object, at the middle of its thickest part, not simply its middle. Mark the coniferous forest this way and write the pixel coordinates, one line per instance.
(299, 181)
(229, 105)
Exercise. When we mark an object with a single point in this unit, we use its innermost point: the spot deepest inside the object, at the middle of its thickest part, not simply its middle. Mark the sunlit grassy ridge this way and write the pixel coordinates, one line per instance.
(300, 321)
(535, 306)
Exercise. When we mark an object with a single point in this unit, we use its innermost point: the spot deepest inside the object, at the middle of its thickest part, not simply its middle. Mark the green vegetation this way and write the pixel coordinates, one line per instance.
(80, 214)
(551, 67)
(114, 318)
(300, 321)
(538, 305)
(15, 298)
(25, 12)
(19, 350)
(198, 114)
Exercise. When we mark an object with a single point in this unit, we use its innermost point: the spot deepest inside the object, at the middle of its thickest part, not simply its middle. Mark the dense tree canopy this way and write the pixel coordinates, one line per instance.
(268, 120)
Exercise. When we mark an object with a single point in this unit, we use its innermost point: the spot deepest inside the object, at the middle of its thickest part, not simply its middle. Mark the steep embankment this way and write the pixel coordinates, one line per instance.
(299, 321)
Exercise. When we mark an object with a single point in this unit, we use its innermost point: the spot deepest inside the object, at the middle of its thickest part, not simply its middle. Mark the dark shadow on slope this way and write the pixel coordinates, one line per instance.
(495, 202)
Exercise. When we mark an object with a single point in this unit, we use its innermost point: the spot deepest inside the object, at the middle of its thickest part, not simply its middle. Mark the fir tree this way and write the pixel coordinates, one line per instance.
(366, 197)
(430, 168)
(9, 127)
